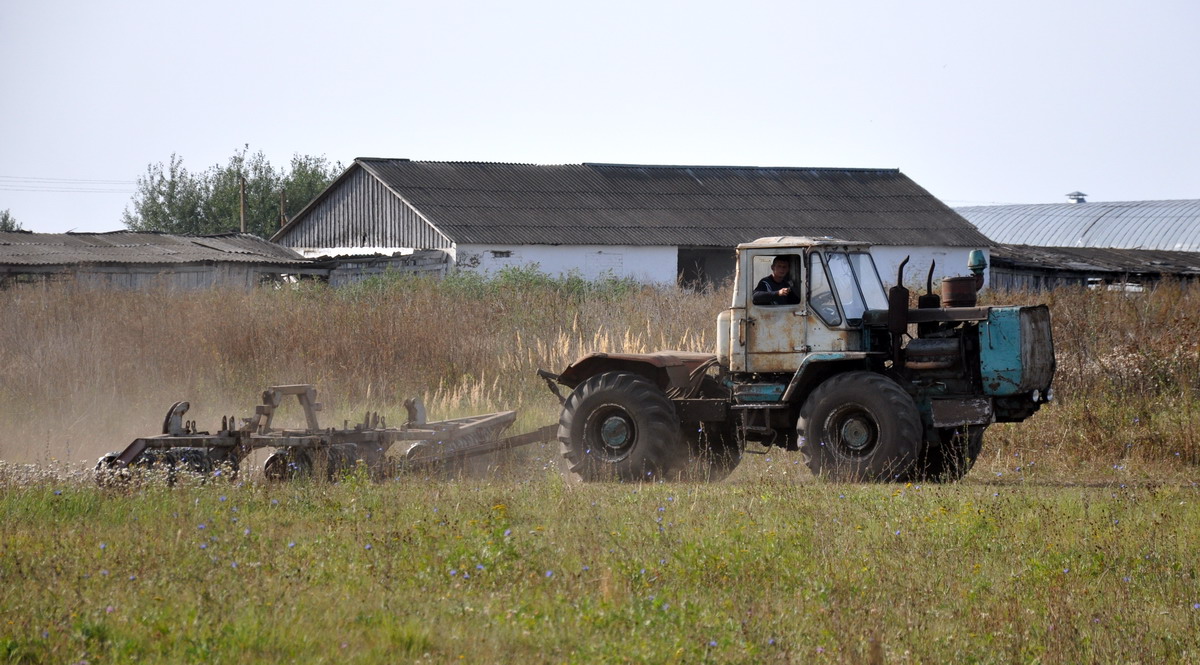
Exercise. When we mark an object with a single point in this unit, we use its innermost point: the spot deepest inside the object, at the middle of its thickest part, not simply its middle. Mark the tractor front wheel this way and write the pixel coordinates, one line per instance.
(860, 426)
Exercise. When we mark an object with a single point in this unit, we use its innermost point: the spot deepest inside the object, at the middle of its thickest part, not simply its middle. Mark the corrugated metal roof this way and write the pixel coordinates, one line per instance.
(1097, 259)
(616, 204)
(43, 249)
(1163, 225)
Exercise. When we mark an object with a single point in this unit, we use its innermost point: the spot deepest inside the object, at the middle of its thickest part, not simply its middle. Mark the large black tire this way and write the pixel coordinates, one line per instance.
(860, 426)
(950, 461)
(619, 425)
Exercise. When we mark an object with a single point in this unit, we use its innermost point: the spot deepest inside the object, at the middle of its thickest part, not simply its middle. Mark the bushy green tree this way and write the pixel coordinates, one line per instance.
(8, 222)
(172, 199)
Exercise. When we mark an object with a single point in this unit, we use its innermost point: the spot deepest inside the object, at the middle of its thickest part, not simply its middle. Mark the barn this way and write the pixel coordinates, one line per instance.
(126, 259)
(1088, 243)
(653, 223)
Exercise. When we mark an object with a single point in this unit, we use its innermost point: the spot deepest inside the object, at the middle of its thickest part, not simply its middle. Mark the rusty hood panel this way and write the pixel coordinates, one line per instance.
(673, 366)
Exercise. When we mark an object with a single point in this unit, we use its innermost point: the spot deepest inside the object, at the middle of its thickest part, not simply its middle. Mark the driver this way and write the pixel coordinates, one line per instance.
(777, 288)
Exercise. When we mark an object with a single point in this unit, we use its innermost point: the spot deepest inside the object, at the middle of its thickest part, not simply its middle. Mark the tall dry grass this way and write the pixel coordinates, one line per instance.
(85, 371)
(1128, 377)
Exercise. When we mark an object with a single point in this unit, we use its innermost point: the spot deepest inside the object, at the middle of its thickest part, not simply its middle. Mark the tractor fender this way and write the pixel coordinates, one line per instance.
(816, 367)
(666, 369)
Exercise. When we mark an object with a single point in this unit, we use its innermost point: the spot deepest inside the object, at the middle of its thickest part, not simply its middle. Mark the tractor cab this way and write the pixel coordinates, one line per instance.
(835, 282)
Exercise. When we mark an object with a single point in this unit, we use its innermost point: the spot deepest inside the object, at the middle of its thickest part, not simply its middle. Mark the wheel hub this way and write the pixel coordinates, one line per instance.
(855, 433)
(615, 431)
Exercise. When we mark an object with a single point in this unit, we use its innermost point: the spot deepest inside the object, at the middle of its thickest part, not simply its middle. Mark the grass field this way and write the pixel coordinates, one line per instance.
(1073, 540)
(768, 567)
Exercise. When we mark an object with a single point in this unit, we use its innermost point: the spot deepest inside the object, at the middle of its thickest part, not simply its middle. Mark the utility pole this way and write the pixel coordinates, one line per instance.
(282, 207)
(242, 200)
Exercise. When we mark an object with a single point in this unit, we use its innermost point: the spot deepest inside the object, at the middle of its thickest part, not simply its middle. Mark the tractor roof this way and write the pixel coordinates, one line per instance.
(781, 242)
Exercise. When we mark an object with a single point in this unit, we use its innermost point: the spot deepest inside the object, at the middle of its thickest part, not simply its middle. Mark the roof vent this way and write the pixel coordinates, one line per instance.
(1077, 197)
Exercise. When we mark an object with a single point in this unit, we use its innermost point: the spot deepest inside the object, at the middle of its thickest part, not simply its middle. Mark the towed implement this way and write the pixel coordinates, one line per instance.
(313, 450)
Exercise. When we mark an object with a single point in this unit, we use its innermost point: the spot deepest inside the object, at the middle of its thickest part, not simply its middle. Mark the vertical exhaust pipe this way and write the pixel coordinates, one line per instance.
(897, 321)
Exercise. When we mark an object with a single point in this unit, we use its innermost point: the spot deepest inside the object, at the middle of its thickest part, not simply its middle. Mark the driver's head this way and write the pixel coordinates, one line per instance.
(780, 267)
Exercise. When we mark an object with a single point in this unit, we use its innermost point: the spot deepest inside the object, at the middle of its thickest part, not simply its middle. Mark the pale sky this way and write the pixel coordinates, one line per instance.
(1000, 102)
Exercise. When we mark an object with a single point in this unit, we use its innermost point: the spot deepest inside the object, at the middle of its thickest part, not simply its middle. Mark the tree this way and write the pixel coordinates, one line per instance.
(171, 199)
(309, 177)
(167, 199)
(8, 222)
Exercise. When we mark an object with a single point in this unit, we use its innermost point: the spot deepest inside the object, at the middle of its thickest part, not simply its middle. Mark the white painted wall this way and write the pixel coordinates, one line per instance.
(951, 262)
(314, 252)
(656, 264)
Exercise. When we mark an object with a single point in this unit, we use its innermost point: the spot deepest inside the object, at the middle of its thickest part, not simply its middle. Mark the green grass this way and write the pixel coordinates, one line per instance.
(769, 567)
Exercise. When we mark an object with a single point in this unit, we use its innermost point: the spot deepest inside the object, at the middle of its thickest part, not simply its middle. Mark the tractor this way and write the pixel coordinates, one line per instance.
(864, 385)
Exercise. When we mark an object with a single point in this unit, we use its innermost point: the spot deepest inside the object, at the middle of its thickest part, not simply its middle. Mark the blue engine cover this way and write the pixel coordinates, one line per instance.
(1016, 350)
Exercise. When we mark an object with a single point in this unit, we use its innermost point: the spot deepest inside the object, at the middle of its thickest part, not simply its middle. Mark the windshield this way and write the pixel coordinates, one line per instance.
(868, 279)
(821, 294)
(856, 283)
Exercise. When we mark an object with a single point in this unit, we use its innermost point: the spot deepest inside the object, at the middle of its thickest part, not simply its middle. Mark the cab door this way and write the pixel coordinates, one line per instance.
(776, 337)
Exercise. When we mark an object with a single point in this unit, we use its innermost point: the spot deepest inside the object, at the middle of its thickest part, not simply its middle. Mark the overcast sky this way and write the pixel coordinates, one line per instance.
(1002, 102)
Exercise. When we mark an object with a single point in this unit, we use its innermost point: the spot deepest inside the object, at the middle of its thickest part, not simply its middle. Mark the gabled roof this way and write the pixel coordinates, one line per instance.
(1163, 225)
(42, 249)
(613, 204)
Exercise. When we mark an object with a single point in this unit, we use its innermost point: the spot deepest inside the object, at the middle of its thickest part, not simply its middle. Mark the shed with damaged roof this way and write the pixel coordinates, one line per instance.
(1026, 267)
(647, 222)
(136, 260)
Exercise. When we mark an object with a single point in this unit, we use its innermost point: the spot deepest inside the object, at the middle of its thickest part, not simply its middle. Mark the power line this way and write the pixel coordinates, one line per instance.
(31, 180)
(15, 183)
(62, 190)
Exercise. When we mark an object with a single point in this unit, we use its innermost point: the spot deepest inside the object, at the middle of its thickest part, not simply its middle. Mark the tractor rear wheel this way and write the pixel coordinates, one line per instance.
(620, 426)
(860, 426)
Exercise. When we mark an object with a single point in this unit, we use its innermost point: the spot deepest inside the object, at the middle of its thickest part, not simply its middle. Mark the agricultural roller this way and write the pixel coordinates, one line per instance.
(313, 450)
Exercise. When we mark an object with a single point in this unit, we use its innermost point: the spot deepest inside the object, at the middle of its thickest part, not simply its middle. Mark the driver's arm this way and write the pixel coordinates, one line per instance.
(763, 294)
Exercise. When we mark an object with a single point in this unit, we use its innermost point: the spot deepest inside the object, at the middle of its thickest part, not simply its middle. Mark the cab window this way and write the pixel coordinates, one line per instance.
(766, 287)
